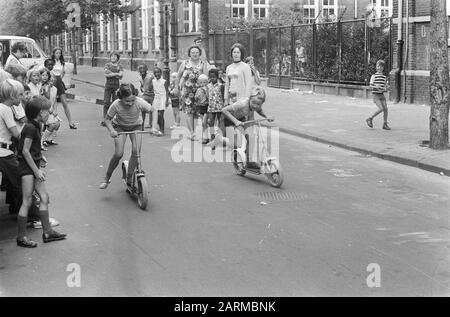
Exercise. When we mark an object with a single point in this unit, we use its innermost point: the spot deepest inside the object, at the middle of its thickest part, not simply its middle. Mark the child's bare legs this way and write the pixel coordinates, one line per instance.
(190, 124)
(380, 102)
(119, 144)
(27, 191)
(161, 122)
(205, 133)
(67, 111)
(48, 134)
(176, 116)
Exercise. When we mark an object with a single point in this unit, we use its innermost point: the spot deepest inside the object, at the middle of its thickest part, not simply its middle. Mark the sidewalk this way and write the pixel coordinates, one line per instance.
(335, 120)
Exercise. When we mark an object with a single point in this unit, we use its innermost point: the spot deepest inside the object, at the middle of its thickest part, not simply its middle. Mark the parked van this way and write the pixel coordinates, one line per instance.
(35, 55)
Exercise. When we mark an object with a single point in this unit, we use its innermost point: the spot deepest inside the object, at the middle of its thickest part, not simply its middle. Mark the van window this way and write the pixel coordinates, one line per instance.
(32, 52)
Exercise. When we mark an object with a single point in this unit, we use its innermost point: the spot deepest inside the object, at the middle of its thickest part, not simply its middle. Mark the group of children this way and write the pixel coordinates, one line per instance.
(30, 127)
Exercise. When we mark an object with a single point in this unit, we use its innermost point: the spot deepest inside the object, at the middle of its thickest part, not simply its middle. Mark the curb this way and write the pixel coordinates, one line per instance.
(387, 157)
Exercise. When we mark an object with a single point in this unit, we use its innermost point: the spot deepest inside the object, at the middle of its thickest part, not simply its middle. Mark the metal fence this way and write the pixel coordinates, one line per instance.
(339, 52)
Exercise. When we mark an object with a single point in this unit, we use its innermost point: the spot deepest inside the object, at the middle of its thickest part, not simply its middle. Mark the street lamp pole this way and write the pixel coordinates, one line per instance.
(164, 14)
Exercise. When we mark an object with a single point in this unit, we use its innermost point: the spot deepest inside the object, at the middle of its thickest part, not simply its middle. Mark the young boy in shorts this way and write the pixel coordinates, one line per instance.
(33, 177)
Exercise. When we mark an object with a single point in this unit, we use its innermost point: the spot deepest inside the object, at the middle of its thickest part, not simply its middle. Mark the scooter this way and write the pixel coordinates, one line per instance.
(139, 186)
(269, 165)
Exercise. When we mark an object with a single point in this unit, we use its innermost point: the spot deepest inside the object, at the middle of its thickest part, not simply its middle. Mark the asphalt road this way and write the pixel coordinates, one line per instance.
(209, 232)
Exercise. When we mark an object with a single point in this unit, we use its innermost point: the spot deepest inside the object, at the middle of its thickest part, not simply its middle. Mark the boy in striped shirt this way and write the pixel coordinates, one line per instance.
(378, 83)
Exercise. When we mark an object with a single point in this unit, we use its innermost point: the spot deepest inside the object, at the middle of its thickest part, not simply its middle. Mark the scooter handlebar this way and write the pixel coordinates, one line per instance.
(134, 132)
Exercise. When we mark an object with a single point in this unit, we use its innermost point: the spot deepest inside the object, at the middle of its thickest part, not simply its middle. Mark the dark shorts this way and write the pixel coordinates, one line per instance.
(201, 110)
(126, 129)
(228, 123)
(175, 103)
(25, 169)
(60, 86)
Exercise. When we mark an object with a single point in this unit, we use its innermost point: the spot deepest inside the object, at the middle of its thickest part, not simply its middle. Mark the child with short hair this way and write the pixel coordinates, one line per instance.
(34, 77)
(125, 115)
(379, 85)
(113, 74)
(148, 93)
(201, 102)
(174, 95)
(216, 92)
(244, 110)
(160, 103)
(33, 178)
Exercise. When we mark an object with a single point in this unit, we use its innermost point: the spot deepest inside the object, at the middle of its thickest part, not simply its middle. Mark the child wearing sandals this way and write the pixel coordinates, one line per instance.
(33, 178)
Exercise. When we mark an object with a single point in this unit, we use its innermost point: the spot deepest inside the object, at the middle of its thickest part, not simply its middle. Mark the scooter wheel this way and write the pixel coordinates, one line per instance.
(142, 193)
(238, 163)
(275, 178)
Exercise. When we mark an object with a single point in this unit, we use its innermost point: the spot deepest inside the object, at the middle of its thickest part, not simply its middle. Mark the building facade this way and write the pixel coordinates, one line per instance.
(410, 76)
(138, 37)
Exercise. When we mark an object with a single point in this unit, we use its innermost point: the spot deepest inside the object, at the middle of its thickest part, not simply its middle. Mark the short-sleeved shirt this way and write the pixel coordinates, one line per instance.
(240, 109)
(6, 122)
(113, 82)
(31, 130)
(125, 116)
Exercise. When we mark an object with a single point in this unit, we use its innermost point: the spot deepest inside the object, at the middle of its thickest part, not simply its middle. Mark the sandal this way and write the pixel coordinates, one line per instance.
(73, 126)
(49, 142)
(53, 236)
(104, 184)
(369, 122)
(25, 242)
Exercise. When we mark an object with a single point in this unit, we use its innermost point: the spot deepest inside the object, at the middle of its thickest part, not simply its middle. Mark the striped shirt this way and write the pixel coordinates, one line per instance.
(125, 116)
(378, 79)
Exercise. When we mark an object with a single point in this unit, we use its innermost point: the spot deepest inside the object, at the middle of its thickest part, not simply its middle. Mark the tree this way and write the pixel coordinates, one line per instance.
(439, 76)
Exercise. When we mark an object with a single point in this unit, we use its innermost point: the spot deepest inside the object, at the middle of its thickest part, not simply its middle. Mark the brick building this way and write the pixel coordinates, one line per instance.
(412, 50)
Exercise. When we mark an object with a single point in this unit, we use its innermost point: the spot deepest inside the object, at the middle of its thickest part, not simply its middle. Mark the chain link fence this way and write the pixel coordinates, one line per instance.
(337, 52)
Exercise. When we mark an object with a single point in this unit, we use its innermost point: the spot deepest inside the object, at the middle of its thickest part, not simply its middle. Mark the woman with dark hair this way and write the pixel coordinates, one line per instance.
(58, 72)
(188, 74)
(238, 83)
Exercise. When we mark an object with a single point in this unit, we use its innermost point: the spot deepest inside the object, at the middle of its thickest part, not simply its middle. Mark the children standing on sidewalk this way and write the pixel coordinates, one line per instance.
(174, 95)
(215, 97)
(148, 93)
(33, 178)
(53, 123)
(201, 101)
(160, 103)
(378, 83)
(113, 74)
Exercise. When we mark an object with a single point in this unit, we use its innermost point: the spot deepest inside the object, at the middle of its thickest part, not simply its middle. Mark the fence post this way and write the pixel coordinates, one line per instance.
(268, 54)
(292, 51)
(223, 50)
(366, 53)
(315, 48)
(251, 42)
(339, 52)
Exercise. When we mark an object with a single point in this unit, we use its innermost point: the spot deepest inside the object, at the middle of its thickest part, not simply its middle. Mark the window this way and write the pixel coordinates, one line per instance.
(119, 32)
(260, 8)
(186, 17)
(102, 34)
(108, 36)
(239, 9)
(310, 10)
(382, 8)
(145, 12)
(87, 43)
(66, 42)
(156, 26)
(330, 8)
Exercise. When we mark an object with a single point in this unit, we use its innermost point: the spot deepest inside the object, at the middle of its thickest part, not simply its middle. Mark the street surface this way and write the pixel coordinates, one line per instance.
(209, 232)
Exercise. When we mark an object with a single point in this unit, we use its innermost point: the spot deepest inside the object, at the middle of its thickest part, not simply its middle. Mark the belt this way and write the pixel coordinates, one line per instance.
(5, 146)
